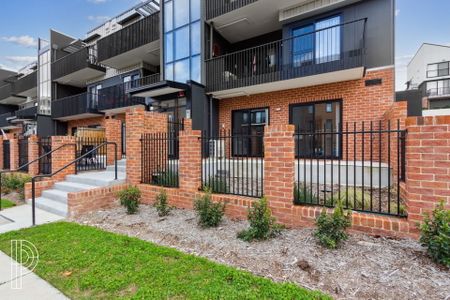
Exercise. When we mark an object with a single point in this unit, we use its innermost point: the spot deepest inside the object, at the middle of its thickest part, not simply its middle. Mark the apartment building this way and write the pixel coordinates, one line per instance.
(236, 65)
(428, 71)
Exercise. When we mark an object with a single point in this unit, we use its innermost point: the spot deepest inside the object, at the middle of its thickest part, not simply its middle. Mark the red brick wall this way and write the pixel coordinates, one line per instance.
(113, 133)
(427, 165)
(40, 186)
(85, 123)
(63, 156)
(14, 153)
(33, 153)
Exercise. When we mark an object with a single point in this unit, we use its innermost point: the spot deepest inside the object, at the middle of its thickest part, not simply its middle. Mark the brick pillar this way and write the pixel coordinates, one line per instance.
(63, 156)
(113, 133)
(279, 170)
(427, 166)
(33, 153)
(1, 152)
(139, 122)
(189, 169)
(14, 149)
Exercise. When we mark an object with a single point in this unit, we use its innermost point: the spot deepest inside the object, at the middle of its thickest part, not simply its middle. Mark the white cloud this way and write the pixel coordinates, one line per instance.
(401, 63)
(20, 59)
(397, 12)
(98, 19)
(23, 40)
(97, 1)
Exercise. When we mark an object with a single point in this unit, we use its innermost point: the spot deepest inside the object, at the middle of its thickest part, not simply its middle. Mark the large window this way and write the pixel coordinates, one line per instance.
(318, 126)
(438, 88)
(45, 84)
(438, 70)
(248, 131)
(182, 34)
(319, 42)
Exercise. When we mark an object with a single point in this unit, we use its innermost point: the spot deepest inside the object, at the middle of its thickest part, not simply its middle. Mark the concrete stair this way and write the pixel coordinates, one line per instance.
(55, 200)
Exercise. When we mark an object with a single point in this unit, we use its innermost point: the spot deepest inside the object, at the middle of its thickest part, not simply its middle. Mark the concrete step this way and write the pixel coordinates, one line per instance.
(56, 195)
(120, 168)
(104, 178)
(50, 205)
(68, 186)
(122, 162)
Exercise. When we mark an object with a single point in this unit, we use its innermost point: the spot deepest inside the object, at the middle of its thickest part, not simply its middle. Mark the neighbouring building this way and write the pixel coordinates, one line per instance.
(428, 71)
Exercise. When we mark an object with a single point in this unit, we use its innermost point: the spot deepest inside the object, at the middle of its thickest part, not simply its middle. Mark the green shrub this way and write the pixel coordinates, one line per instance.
(262, 225)
(130, 198)
(353, 197)
(161, 204)
(435, 234)
(14, 182)
(330, 230)
(217, 185)
(304, 195)
(209, 213)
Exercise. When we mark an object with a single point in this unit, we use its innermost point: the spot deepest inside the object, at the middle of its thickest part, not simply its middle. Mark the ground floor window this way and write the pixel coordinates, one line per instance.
(318, 127)
(248, 131)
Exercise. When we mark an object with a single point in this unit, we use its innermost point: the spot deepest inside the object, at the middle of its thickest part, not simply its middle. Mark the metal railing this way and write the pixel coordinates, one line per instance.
(233, 163)
(96, 160)
(144, 81)
(3, 119)
(87, 154)
(326, 50)
(117, 96)
(21, 168)
(160, 156)
(25, 83)
(445, 91)
(215, 8)
(23, 152)
(361, 165)
(84, 58)
(45, 146)
(74, 105)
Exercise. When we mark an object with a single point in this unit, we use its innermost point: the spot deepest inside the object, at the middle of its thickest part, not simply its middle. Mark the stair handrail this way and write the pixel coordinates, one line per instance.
(29, 163)
(33, 179)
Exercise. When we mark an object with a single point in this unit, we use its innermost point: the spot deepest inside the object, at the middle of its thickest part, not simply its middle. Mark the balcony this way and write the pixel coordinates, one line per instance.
(27, 113)
(332, 54)
(215, 8)
(79, 106)
(438, 92)
(26, 86)
(7, 95)
(77, 68)
(132, 44)
(116, 99)
(4, 123)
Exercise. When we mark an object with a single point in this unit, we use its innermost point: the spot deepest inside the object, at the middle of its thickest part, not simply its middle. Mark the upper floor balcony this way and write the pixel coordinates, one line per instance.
(215, 8)
(116, 99)
(27, 112)
(77, 68)
(438, 92)
(4, 120)
(7, 95)
(26, 86)
(331, 54)
(132, 44)
(78, 106)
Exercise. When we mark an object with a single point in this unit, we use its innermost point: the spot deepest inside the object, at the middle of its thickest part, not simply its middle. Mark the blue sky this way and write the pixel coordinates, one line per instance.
(22, 21)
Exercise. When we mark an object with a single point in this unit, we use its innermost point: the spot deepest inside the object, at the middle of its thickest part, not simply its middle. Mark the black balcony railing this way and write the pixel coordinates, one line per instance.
(27, 112)
(326, 50)
(25, 83)
(141, 82)
(117, 96)
(74, 105)
(5, 91)
(215, 8)
(3, 119)
(436, 92)
(133, 36)
(83, 58)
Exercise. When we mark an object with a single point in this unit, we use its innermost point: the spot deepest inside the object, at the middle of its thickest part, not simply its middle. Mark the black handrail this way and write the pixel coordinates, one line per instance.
(29, 163)
(33, 179)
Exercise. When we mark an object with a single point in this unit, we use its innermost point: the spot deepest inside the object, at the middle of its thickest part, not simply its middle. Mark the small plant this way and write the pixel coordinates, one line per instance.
(217, 185)
(331, 228)
(304, 195)
(353, 198)
(435, 234)
(209, 213)
(130, 198)
(262, 225)
(161, 204)
(169, 178)
(14, 182)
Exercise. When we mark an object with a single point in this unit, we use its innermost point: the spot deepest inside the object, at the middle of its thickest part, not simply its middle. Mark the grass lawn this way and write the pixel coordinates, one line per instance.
(84, 263)
(7, 203)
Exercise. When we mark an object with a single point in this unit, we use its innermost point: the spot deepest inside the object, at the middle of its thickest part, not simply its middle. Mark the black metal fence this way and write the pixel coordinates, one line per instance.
(6, 155)
(23, 153)
(233, 163)
(360, 165)
(45, 163)
(96, 160)
(215, 8)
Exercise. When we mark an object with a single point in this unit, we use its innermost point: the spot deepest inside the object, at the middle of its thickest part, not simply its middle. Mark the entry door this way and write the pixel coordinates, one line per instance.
(303, 119)
(248, 132)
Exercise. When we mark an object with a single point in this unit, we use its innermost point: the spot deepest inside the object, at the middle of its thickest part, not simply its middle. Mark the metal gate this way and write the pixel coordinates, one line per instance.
(23, 153)
(45, 163)
(124, 140)
(6, 155)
